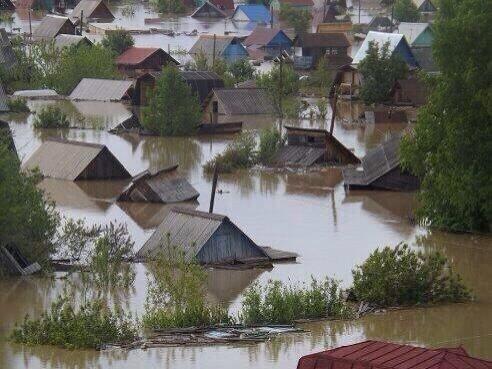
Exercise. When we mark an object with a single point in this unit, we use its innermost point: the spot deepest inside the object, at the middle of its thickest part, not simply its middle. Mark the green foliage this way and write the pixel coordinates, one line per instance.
(323, 105)
(406, 11)
(51, 116)
(168, 6)
(118, 41)
(380, 69)
(270, 142)
(173, 110)
(239, 154)
(277, 303)
(18, 105)
(299, 19)
(293, 107)
(321, 76)
(451, 147)
(91, 325)
(401, 276)
(28, 221)
(241, 70)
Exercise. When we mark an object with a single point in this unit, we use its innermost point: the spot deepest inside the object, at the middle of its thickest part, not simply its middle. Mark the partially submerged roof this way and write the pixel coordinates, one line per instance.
(162, 186)
(63, 40)
(412, 31)
(4, 106)
(70, 160)
(92, 9)
(298, 156)
(208, 9)
(379, 21)
(310, 40)
(385, 355)
(205, 44)
(37, 94)
(50, 26)
(136, 55)
(262, 36)
(380, 38)
(244, 100)
(255, 12)
(102, 89)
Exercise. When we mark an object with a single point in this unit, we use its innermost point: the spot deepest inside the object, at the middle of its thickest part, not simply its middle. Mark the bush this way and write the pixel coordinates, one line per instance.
(277, 303)
(241, 70)
(406, 11)
(18, 105)
(239, 154)
(118, 41)
(299, 19)
(270, 141)
(401, 276)
(278, 92)
(91, 325)
(51, 116)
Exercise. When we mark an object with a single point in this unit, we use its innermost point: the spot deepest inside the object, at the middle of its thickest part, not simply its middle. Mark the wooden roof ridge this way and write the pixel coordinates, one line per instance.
(317, 130)
(198, 213)
(73, 142)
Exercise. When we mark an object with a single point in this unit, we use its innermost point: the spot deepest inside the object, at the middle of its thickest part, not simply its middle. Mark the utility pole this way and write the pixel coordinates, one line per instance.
(281, 84)
(30, 25)
(359, 11)
(213, 55)
(333, 112)
(392, 10)
(214, 187)
(81, 21)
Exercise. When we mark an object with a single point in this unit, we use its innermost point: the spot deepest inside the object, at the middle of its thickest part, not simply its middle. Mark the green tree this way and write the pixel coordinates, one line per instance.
(118, 41)
(241, 70)
(169, 6)
(173, 110)
(451, 148)
(299, 19)
(380, 69)
(321, 76)
(406, 11)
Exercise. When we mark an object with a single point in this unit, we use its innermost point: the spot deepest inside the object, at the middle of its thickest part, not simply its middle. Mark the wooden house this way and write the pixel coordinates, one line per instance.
(313, 46)
(162, 186)
(410, 91)
(425, 6)
(347, 82)
(228, 48)
(270, 41)
(63, 40)
(416, 34)
(91, 10)
(210, 239)
(381, 170)
(73, 160)
(307, 5)
(425, 59)
(98, 89)
(380, 23)
(7, 6)
(139, 60)
(257, 13)
(208, 10)
(307, 146)
(52, 26)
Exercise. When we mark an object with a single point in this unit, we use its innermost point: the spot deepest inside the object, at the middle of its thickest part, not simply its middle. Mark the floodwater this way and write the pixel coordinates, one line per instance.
(306, 212)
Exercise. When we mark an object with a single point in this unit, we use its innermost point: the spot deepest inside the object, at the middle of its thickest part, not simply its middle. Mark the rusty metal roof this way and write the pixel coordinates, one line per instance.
(384, 355)
(89, 7)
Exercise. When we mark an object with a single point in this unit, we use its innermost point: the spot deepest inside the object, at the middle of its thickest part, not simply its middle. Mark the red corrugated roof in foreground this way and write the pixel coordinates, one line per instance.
(384, 355)
(136, 55)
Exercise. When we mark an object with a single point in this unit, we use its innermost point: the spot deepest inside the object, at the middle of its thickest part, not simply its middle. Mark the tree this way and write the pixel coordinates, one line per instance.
(173, 110)
(241, 70)
(451, 148)
(321, 76)
(380, 69)
(118, 41)
(299, 19)
(169, 6)
(406, 11)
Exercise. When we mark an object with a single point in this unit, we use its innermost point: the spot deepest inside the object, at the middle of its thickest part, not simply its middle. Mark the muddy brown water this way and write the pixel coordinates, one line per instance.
(306, 212)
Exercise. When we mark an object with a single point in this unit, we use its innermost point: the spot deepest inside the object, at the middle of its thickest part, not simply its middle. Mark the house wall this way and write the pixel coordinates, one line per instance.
(278, 43)
(234, 52)
(406, 53)
(104, 166)
(227, 244)
(208, 110)
(153, 63)
(101, 12)
(425, 38)
(67, 28)
(240, 16)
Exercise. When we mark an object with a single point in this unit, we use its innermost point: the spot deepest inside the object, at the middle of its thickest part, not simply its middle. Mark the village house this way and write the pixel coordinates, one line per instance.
(228, 48)
(52, 26)
(410, 91)
(7, 6)
(276, 5)
(208, 10)
(307, 146)
(425, 6)
(416, 34)
(98, 89)
(270, 41)
(7, 56)
(162, 186)
(379, 354)
(252, 13)
(380, 23)
(63, 40)
(310, 47)
(208, 238)
(425, 59)
(381, 170)
(91, 10)
(139, 60)
(74, 160)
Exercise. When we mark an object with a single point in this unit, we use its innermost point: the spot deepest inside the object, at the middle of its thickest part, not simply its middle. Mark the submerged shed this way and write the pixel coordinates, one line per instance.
(238, 101)
(228, 48)
(52, 26)
(102, 90)
(410, 91)
(74, 160)
(63, 40)
(162, 186)
(91, 10)
(381, 170)
(308, 146)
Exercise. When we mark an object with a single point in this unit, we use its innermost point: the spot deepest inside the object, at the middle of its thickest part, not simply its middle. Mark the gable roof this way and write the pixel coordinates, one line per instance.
(262, 36)
(50, 26)
(205, 45)
(428, 3)
(64, 159)
(412, 31)
(7, 55)
(89, 7)
(385, 355)
(379, 21)
(322, 40)
(101, 89)
(254, 12)
(63, 40)
(244, 100)
(208, 9)
(425, 59)
(136, 55)
(380, 38)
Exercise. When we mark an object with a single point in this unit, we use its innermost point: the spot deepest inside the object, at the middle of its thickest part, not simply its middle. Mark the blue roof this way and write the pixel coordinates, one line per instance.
(255, 12)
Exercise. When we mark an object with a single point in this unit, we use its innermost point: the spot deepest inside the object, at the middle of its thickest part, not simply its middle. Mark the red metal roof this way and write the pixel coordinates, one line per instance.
(136, 55)
(384, 355)
(223, 4)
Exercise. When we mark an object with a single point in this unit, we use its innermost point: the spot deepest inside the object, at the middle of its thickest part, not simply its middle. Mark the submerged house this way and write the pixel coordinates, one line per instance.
(208, 238)
(138, 60)
(307, 146)
(257, 13)
(74, 160)
(209, 10)
(380, 23)
(91, 10)
(98, 89)
(63, 40)
(52, 26)
(297, 4)
(228, 48)
(162, 186)
(416, 34)
(425, 6)
(270, 41)
(310, 47)
(381, 170)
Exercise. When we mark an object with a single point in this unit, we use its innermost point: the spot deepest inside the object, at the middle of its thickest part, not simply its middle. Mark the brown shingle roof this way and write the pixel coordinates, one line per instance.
(322, 40)
(261, 36)
(136, 55)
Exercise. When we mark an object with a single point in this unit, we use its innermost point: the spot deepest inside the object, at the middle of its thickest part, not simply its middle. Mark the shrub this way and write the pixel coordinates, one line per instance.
(241, 70)
(406, 11)
(277, 303)
(118, 41)
(270, 141)
(18, 105)
(280, 87)
(51, 116)
(239, 154)
(401, 276)
(91, 325)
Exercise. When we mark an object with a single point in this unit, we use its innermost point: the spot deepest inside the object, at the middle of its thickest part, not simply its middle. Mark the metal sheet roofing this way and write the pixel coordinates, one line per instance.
(411, 30)
(136, 55)
(208, 9)
(384, 355)
(63, 40)
(89, 7)
(3, 100)
(101, 89)
(296, 155)
(244, 100)
(262, 36)
(50, 26)
(205, 44)
(255, 12)
(37, 94)
(380, 38)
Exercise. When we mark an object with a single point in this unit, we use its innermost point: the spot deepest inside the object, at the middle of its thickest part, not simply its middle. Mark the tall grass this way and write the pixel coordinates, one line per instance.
(18, 105)
(51, 116)
(239, 154)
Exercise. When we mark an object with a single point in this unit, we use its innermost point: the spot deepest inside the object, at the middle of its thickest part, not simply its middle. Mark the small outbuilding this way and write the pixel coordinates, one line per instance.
(313, 46)
(139, 60)
(162, 186)
(416, 34)
(257, 13)
(307, 146)
(271, 41)
(347, 82)
(91, 10)
(63, 40)
(381, 170)
(379, 355)
(208, 10)
(380, 23)
(228, 48)
(74, 160)
(410, 91)
(52, 26)
(425, 6)
(98, 89)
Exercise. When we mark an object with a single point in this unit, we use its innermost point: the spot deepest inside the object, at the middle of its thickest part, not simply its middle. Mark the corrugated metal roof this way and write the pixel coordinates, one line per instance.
(380, 38)
(62, 40)
(205, 44)
(3, 100)
(425, 59)
(244, 100)
(322, 40)
(207, 9)
(262, 36)
(411, 30)
(101, 89)
(88, 7)
(384, 355)
(49, 27)
(255, 12)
